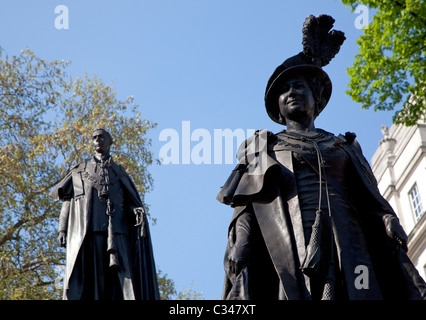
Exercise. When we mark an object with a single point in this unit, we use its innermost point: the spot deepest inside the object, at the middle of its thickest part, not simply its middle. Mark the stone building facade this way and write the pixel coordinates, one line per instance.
(399, 165)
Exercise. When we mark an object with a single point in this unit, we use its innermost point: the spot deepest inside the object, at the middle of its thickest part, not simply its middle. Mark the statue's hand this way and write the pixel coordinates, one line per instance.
(395, 231)
(235, 265)
(62, 239)
(237, 259)
(240, 249)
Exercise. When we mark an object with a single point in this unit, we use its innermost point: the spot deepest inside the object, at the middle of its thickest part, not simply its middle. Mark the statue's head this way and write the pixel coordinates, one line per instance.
(297, 100)
(319, 46)
(301, 81)
(101, 140)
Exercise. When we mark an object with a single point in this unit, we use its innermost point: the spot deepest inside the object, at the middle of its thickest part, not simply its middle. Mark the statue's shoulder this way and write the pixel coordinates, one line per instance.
(262, 135)
(256, 142)
(349, 138)
(118, 168)
(80, 167)
(63, 190)
(354, 150)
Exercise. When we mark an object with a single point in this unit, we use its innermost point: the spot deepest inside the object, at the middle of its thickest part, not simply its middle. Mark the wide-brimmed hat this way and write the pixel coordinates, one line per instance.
(294, 66)
(319, 47)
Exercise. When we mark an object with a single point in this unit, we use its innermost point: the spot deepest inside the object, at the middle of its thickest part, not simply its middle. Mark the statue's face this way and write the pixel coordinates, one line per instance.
(101, 141)
(296, 101)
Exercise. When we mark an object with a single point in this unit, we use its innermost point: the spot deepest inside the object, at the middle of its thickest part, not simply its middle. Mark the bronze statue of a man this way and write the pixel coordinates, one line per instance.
(105, 231)
(309, 221)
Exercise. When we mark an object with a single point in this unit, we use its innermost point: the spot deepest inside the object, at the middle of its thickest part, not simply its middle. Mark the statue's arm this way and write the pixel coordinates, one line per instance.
(63, 223)
(393, 228)
(240, 239)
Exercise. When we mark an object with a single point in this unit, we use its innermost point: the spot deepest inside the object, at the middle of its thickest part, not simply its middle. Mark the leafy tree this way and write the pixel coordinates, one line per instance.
(189, 294)
(389, 71)
(46, 120)
(168, 290)
(166, 286)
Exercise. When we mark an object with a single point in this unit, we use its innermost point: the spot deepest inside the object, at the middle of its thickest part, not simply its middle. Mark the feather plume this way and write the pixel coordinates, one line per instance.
(319, 43)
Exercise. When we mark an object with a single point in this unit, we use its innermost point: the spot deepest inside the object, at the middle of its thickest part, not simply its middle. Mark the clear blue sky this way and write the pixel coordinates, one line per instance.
(202, 61)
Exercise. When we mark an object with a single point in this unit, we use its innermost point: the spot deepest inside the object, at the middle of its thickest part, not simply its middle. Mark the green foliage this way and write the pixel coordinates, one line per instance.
(389, 71)
(46, 121)
(168, 290)
(166, 285)
(189, 294)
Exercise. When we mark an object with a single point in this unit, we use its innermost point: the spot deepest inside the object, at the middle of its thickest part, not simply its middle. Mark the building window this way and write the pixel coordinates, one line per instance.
(416, 202)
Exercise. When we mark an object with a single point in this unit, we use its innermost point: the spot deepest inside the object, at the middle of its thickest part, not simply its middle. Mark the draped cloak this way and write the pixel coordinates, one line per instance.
(263, 182)
(80, 193)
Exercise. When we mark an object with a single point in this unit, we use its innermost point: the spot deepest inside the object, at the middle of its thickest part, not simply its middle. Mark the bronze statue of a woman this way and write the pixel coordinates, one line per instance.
(309, 221)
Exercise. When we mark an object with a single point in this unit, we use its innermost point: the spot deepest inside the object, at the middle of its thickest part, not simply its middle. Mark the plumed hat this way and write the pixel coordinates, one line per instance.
(320, 45)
